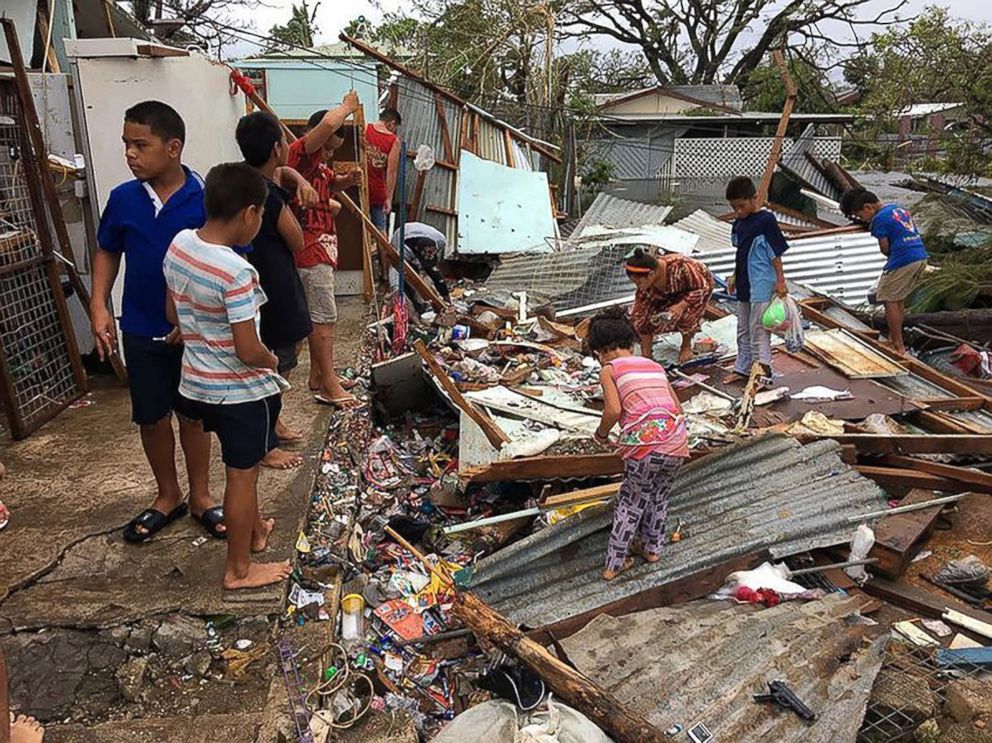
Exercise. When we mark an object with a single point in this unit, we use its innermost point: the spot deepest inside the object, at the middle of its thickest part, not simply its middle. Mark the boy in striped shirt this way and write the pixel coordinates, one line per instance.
(228, 375)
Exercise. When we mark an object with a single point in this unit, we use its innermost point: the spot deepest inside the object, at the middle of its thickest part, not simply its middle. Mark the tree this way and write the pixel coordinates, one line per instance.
(204, 22)
(933, 59)
(708, 41)
(300, 29)
(765, 91)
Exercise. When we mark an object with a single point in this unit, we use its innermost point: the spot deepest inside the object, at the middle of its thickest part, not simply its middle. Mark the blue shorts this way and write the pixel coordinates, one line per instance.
(153, 372)
(246, 430)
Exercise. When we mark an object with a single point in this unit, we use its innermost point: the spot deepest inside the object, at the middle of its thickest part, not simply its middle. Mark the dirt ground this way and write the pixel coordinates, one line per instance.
(97, 631)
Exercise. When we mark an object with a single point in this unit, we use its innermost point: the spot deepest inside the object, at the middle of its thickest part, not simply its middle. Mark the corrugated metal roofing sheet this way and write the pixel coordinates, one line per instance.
(797, 160)
(977, 420)
(916, 387)
(769, 493)
(612, 211)
(844, 266)
(714, 234)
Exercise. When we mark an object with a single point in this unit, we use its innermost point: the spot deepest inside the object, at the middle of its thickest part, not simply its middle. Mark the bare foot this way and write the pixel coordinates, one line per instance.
(259, 574)
(685, 356)
(336, 395)
(314, 381)
(260, 534)
(24, 729)
(609, 575)
(283, 433)
(277, 459)
(4, 515)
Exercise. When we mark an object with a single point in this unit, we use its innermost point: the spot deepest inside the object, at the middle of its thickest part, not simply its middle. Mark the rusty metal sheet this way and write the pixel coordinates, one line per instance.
(850, 355)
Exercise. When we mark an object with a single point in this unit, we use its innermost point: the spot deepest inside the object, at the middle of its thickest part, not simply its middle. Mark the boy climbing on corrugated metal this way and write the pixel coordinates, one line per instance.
(901, 243)
(652, 441)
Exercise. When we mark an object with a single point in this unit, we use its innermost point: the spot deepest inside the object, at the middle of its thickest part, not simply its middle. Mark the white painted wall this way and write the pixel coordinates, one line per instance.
(24, 13)
(109, 80)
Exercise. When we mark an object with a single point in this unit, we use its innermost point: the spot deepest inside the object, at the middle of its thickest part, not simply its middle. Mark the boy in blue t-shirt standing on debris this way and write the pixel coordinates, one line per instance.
(758, 274)
(900, 241)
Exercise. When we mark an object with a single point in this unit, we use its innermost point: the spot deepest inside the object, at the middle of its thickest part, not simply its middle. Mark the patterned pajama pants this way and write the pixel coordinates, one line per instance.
(642, 506)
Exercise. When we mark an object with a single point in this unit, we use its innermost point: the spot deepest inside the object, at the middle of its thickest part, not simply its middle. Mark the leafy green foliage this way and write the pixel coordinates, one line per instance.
(301, 28)
(765, 91)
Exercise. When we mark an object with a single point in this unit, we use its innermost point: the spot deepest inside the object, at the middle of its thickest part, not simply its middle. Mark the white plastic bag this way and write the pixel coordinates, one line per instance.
(861, 544)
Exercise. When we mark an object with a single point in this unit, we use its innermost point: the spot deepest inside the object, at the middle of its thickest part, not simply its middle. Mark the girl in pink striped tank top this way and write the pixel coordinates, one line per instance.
(652, 440)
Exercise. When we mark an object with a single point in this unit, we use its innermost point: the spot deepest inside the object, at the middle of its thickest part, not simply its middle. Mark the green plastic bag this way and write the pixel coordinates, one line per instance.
(775, 315)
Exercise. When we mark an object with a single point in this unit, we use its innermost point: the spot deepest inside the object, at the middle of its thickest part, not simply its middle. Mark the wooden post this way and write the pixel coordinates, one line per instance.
(568, 684)
(108, 19)
(45, 29)
(442, 120)
(783, 125)
(368, 288)
(493, 432)
(386, 248)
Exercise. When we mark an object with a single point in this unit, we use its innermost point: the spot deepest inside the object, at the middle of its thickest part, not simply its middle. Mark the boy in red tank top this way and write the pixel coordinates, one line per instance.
(383, 147)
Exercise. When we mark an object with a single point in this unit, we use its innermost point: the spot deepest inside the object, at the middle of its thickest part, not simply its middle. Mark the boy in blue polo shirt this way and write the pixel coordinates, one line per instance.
(758, 274)
(140, 220)
(900, 241)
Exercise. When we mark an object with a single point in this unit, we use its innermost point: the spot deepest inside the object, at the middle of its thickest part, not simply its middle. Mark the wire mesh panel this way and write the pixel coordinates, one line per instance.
(39, 367)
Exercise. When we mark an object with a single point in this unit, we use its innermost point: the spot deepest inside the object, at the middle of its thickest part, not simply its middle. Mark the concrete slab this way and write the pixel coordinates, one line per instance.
(72, 486)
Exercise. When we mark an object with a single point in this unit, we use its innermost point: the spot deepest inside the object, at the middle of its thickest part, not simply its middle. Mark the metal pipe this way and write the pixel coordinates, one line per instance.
(821, 568)
(907, 509)
(469, 525)
(701, 385)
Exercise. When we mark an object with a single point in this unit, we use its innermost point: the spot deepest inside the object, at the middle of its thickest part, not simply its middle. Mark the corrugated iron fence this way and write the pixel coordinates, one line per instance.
(40, 369)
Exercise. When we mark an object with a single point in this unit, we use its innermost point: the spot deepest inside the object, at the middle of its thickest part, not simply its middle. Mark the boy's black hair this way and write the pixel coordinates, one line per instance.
(741, 187)
(257, 134)
(391, 115)
(164, 121)
(856, 199)
(315, 118)
(641, 258)
(610, 330)
(231, 187)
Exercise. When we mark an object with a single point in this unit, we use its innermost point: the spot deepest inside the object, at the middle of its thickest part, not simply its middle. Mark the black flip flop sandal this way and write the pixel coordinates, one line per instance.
(153, 521)
(210, 520)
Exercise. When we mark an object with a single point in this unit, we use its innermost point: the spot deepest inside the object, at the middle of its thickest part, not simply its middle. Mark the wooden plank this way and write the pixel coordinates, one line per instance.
(900, 537)
(510, 159)
(796, 214)
(43, 28)
(425, 290)
(851, 355)
(783, 126)
(413, 210)
(577, 497)
(904, 594)
(368, 280)
(678, 591)
(442, 120)
(897, 477)
(869, 443)
(954, 404)
(546, 468)
(493, 432)
(978, 481)
(441, 210)
(157, 50)
(108, 20)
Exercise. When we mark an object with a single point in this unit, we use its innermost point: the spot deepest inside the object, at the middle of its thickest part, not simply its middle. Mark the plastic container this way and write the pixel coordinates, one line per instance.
(352, 617)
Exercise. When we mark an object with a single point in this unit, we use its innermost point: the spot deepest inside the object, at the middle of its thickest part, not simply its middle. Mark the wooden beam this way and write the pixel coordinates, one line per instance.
(425, 290)
(568, 684)
(441, 210)
(899, 537)
(783, 126)
(442, 121)
(546, 468)
(368, 280)
(493, 432)
(413, 209)
(51, 59)
(900, 478)
(870, 443)
(675, 592)
(954, 404)
(919, 601)
(796, 214)
(108, 20)
(980, 482)
(510, 159)
(158, 50)
(577, 497)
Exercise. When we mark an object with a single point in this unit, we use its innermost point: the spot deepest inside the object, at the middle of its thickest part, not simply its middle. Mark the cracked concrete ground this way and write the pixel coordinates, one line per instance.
(77, 602)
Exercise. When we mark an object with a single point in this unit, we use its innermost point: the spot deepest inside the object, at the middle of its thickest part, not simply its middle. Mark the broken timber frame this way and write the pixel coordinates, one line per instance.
(493, 432)
(573, 687)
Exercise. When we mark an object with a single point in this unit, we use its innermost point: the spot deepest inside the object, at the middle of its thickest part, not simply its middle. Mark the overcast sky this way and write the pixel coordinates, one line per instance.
(333, 15)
